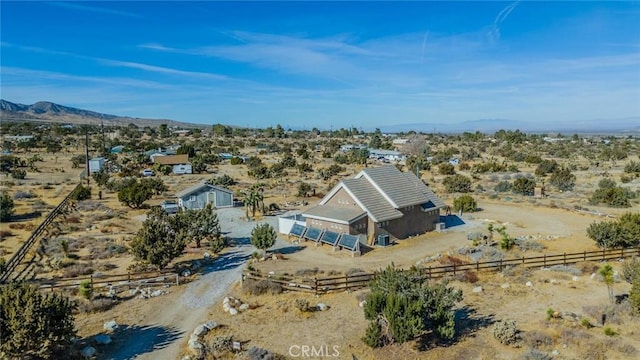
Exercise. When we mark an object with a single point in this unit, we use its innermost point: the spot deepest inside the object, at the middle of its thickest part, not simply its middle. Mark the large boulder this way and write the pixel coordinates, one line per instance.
(88, 352)
(210, 324)
(110, 326)
(200, 330)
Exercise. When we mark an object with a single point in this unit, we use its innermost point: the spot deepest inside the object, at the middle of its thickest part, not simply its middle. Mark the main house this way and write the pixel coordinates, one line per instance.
(198, 196)
(378, 201)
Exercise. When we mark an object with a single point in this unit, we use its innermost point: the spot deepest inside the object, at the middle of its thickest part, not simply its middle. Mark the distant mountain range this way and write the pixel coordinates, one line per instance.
(618, 126)
(50, 112)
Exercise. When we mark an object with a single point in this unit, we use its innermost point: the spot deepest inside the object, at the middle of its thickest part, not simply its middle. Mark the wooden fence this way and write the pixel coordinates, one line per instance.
(22, 252)
(355, 281)
(128, 280)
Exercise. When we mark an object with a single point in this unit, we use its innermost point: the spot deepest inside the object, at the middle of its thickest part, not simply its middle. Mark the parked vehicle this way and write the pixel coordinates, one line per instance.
(148, 172)
(170, 206)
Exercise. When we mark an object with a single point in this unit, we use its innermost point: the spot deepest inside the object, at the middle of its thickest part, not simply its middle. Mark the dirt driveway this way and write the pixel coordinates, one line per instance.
(161, 330)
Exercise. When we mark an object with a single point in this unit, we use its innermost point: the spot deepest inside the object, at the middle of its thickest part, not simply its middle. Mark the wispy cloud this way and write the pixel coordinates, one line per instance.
(96, 9)
(500, 18)
(160, 69)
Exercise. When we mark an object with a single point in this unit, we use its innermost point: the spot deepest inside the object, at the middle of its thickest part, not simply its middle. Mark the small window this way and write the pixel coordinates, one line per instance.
(192, 198)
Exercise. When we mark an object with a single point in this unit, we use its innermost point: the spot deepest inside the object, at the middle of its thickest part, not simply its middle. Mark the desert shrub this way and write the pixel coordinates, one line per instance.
(85, 289)
(634, 296)
(5, 233)
(221, 343)
(631, 269)
(625, 179)
(106, 250)
(35, 325)
(6, 207)
(77, 269)
(503, 186)
(534, 354)
(523, 186)
(303, 305)
(624, 232)
(402, 306)
(18, 174)
(259, 287)
(566, 269)
(506, 331)
(98, 304)
(610, 194)
(585, 323)
(609, 331)
(468, 276)
(545, 167)
(457, 183)
(354, 271)
(529, 245)
(446, 169)
(307, 272)
(537, 339)
(465, 203)
(575, 336)
(563, 179)
(632, 167)
(18, 195)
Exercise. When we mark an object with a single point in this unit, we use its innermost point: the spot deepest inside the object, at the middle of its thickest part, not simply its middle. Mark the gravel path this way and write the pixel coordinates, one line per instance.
(175, 321)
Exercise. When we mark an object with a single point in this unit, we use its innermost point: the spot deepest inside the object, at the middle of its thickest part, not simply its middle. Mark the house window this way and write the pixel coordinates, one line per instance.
(192, 198)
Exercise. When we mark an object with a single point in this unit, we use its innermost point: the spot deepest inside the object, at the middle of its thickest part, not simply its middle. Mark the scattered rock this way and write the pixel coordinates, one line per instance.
(322, 306)
(206, 255)
(529, 283)
(477, 289)
(186, 273)
(210, 324)
(200, 330)
(110, 326)
(575, 278)
(244, 307)
(593, 276)
(236, 303)
(102, 339)
(226, 300)
(554, 281)
(274, 257)
(196, 347)
(555, 353)
(272, 272)
(157, 293)
(88, 352)
(505, 286)
(362, 303)
(233, 311)
(226, 307)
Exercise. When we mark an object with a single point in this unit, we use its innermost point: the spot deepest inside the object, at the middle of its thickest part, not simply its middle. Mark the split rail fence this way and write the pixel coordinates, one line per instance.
(322, 285)
(119, 281)
(18, 257)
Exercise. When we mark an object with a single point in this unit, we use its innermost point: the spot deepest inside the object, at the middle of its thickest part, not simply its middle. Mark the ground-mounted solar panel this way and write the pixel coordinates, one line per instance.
(313, 234)
(350, 242)
(297, 230)
(330, 237)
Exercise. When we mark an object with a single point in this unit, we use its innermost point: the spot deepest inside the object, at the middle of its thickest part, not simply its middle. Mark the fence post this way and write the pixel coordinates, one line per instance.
(429, 272)
(565, 258)
(91, 277)
(522, 260)
(622, 253)
(603, 254)
(544, 261)
(454, 268)
(585, 255)
(315, 289)
(477, 266)
(177, 279)
(346, 281)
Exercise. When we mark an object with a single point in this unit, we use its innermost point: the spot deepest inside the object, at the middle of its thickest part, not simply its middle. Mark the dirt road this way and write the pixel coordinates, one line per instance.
(162, 332)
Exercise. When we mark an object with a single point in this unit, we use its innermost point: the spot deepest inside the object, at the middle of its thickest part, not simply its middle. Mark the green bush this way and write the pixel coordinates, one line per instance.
(6, 207)
(446, 169)
(609, 331)
(634, 296)
(524, 186)
(465, 203)
(85, 289)
(457, 184)
(81, 193)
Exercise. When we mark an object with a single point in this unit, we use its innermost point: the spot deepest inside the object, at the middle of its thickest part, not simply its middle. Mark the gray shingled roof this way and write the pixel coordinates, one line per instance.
(402, 189)
(377, 206)
(197, 187)
(348, 214)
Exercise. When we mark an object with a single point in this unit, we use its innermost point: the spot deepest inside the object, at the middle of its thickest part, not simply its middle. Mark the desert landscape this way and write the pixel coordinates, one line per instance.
(557, 310)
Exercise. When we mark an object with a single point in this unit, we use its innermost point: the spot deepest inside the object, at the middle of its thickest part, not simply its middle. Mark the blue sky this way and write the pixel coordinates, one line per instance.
(328, 64)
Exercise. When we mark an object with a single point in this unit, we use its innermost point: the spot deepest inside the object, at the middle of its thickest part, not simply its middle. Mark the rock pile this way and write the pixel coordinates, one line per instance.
(233, 306)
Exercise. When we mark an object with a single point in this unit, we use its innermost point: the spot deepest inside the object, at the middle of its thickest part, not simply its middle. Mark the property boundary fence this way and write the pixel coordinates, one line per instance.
(18, 257)
(355, 281)
(127, 280)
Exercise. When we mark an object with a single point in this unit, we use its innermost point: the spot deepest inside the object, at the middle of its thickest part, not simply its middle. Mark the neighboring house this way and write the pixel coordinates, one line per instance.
(96, 164)
(454, 161)
(160, 151)
(389, 155)
(180, 163)
(198, 196)
(400, 141)
(378, 201)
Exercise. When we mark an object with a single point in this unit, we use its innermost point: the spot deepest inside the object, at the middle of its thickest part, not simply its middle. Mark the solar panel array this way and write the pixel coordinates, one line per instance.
(350, 242)
(297, 230)
(313, 234)
(330, 237)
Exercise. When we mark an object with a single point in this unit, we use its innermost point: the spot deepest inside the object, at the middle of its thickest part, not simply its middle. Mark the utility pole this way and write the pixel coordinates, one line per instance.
(86, 148)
